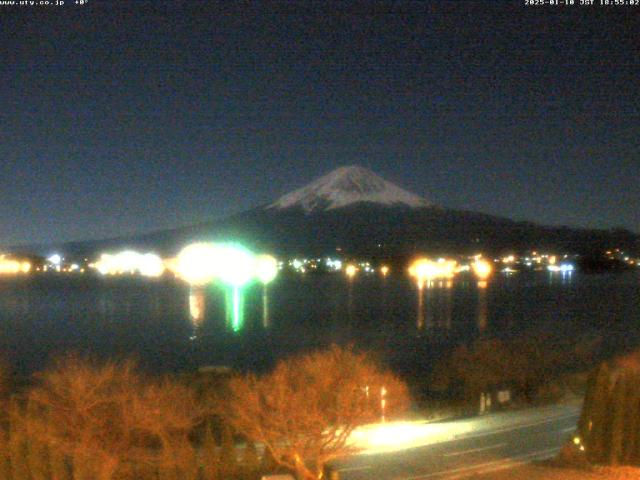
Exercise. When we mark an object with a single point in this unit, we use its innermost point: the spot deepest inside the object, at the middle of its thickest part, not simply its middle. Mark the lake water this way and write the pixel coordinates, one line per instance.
(43, 316)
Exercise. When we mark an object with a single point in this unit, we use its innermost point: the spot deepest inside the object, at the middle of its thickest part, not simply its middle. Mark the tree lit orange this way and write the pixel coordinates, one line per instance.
(306, 409)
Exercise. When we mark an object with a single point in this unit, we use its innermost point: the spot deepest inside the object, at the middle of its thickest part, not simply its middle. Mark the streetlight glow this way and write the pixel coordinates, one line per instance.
(266, 268)
(127, 261)
(10, 266)
(150, 265)
(55, 259)
(351, 271)
(266, 271)
(196, 263)
(234, 265)
(424, 269)
(482, 269)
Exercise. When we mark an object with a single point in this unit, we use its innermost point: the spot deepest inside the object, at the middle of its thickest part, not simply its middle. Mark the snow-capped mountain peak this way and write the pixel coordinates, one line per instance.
(345, 186)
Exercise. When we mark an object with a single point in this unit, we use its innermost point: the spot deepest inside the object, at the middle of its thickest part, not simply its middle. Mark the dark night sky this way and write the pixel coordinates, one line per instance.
(124, 117)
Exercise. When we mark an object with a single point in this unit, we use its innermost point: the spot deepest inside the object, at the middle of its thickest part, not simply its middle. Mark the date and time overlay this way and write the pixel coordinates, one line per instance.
(526, 3)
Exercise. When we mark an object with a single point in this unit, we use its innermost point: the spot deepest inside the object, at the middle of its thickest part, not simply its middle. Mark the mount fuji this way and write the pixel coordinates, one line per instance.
(355, 211)
(347, 186)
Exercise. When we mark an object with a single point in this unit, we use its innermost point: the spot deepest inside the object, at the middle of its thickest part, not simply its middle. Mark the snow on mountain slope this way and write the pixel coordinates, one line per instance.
(345, 186)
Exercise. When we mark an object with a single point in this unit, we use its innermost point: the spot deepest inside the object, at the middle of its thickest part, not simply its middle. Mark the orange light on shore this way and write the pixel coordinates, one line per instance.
(482, 269)
(384, 270)
(196, 306)
(10, 267)
(425, 270)
(422, 270)
(351, 271)
(446, 268)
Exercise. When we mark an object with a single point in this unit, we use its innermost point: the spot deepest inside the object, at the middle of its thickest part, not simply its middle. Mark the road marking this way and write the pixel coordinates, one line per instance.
(567, 430)
(488, 466)
(517, 426)
(473, 450)
(510, 463)
(355, 469)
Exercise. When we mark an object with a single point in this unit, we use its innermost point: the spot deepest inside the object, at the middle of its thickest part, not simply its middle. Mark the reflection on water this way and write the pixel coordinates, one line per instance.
(197, 308)
(420, 321)
(154, 319)
(265, 306)
(430, 305)
(483, 312)
(237, 305)
(560, 278)
(384, 297)
(448, 309)
(435, 305)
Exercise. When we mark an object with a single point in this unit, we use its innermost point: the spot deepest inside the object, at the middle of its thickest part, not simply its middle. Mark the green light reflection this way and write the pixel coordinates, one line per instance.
(234, 308)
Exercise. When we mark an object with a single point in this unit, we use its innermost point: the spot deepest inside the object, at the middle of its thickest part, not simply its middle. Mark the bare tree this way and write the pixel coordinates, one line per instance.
(107, 419)
(306, 409)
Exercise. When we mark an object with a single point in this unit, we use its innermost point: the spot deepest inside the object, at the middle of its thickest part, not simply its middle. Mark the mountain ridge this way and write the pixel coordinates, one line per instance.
(346, 186)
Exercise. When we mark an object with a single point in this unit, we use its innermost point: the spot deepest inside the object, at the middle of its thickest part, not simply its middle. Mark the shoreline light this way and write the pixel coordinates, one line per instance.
(128, 262)
(351, 270)
(196, 263)
(482, 269)
(9, 266)
(234, 265)
(266, 268)
(425, 270)
(562, 268)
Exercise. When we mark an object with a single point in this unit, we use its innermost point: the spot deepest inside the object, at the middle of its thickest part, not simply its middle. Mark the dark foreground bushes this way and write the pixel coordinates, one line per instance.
(609, 427)
(103, 421)
(83, 420)
(529, 367)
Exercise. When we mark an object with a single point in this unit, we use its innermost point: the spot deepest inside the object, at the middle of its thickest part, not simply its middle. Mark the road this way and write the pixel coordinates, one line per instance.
(463, 448)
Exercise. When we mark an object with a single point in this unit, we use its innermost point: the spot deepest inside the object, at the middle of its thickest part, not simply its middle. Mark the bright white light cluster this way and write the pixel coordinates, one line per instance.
(266, 268)
(202, 263)
(130, 262)
(333, 265)
(303, 265)
(366, 267)
(562, 268)
(534, 260)
(55, 259)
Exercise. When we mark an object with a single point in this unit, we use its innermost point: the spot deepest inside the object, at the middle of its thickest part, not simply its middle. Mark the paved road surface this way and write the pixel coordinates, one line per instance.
(463, 448)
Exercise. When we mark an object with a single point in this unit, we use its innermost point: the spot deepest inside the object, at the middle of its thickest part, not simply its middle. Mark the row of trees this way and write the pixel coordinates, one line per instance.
(85, 420)
(526, 365)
